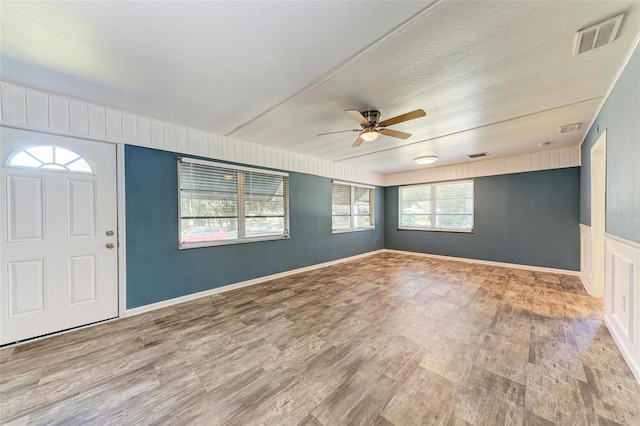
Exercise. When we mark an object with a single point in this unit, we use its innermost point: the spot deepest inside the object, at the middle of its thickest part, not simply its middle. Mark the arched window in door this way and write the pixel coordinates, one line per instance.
(49, 157)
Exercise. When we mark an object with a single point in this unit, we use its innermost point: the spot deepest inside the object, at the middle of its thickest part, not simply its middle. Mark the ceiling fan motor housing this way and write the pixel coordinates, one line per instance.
(372, 117)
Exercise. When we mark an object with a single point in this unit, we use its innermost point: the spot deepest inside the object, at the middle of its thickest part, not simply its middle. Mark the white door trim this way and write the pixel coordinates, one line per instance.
(122, 231)
(598, 173)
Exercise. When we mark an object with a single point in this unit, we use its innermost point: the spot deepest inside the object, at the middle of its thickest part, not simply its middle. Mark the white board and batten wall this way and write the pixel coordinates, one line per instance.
(621, 291)
(622, 297)
(26, 108)
(30, 109)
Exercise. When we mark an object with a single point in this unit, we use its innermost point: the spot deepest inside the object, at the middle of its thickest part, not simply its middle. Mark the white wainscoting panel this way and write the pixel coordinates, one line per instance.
(30, 109)
(622, 297)
(585, 256)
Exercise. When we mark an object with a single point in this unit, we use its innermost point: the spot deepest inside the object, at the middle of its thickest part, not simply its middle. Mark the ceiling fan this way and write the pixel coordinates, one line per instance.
(372, 127)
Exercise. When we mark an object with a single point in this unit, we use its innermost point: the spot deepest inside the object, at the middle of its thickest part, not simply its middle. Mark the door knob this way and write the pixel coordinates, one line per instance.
(110, 245)
(109, 233)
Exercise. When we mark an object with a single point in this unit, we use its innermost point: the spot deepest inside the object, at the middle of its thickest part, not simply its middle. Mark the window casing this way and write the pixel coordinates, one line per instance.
(351, 207)
(225, 204)
(445, 206)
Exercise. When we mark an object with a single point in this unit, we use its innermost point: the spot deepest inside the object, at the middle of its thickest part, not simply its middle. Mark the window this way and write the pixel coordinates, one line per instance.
(49, 157)
(444, 206)
(351, 207)
(224, 204)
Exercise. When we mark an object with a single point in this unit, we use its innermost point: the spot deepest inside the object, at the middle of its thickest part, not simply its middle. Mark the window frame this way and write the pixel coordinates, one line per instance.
(61, 167)
(352, 215)
(428, 228)
(241, 214)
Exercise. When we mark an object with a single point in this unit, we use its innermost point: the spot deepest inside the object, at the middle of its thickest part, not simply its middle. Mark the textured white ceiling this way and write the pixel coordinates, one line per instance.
(492, 76)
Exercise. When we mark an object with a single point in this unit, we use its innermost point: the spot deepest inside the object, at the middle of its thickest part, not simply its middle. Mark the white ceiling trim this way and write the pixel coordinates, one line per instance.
(29, 109)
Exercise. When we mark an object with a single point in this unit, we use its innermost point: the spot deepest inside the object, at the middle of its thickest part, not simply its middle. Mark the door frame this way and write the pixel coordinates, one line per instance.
(598, 174)
(122, 230)
(120, 216)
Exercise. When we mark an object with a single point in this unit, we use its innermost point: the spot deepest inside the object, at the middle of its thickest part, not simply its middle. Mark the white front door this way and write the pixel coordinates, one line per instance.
(58, 242)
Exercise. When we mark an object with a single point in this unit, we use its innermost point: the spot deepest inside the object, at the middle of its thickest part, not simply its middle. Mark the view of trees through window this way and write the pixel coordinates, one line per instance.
(219, 203)
(351, 207)
(445, 206)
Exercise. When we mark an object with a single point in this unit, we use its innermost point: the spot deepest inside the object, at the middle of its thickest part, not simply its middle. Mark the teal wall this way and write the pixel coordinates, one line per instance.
(620, 116)
(157, 270)
(524, 218)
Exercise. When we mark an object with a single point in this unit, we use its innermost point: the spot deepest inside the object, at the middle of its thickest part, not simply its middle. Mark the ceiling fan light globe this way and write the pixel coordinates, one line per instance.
(426, 160)
(369, 135)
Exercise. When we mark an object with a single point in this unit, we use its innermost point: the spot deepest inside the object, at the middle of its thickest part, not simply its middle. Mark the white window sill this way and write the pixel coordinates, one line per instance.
(418, 228)
(343, 231)
(187, 246)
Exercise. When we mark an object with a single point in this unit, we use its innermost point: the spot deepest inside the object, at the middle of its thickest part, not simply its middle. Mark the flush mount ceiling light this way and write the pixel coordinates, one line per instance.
(369, 135)
(426, 160)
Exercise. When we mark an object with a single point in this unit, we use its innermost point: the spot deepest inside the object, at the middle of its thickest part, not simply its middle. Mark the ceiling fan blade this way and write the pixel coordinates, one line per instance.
(356, 115)
(395, 134)
(339, 131)
(404, 117)
(357, 143)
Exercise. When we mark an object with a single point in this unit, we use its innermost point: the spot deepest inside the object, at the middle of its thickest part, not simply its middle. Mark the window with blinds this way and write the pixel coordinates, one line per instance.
(351, 207)
(446, 206)
(224, 204)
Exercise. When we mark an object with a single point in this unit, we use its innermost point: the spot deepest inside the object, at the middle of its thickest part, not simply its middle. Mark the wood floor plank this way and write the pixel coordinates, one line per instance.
(424, 399)
(390, 340)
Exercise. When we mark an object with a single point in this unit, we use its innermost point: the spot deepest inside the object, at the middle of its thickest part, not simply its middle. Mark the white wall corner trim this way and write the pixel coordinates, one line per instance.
(585, 256)
(622, 297)
(545, 160)
(488, 262)
(24, 108)
(165, 303)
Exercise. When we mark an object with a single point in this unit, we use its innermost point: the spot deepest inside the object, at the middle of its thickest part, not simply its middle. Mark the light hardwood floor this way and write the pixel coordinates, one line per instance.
(390, 339)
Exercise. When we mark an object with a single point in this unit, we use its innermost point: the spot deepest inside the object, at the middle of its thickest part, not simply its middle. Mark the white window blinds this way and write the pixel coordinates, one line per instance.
(444, 206)
(220, 203)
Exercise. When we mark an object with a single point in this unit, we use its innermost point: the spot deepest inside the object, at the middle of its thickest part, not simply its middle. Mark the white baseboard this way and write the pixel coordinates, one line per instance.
(621, 342)
(488, 262)
(585, 283)
(163, 304)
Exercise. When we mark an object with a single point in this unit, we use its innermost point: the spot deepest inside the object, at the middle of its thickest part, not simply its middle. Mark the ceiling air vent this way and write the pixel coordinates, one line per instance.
(597, 35)
(568, 128)
(481, 154)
